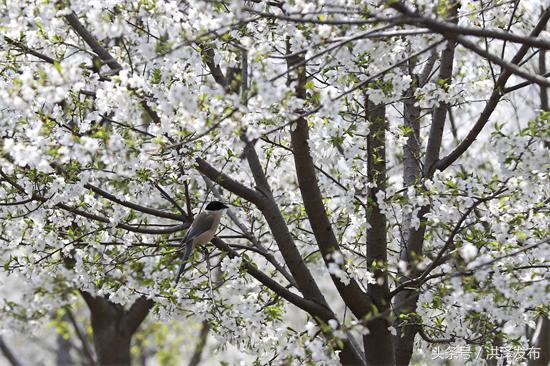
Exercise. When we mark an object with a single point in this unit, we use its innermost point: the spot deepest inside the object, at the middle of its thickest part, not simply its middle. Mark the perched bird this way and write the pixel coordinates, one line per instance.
(201, 231)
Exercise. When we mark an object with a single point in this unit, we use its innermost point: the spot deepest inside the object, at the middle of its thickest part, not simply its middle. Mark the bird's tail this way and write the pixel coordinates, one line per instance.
(185, 258)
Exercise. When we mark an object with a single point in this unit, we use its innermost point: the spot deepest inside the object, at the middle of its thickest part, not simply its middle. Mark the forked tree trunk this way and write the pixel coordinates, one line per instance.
(113, 328)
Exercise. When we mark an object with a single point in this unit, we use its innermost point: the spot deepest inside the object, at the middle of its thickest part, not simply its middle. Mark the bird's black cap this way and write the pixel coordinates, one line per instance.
(215, 206)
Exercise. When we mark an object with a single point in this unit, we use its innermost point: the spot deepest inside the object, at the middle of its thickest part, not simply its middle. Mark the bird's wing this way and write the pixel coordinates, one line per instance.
(202, 223)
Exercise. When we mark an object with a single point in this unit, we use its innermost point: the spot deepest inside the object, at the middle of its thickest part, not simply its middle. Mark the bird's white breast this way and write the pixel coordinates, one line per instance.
(209, 234)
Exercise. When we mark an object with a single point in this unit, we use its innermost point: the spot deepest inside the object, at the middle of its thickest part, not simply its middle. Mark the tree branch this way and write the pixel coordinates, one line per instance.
(447, 161)
(88, 37)
(264, 201)
(509, 66)
(228, 183)
(215, 69)
(88, 354)
(351, 293)
(134, 206)
(201, 343)
(452, 30)
(293, 259)
(382, 72)
(260, 248)
(523, 85)
(448, 243)
(309, 306)
(137, 313)
(92, 216)
(30, 51)
(10, 356)
(440, 111)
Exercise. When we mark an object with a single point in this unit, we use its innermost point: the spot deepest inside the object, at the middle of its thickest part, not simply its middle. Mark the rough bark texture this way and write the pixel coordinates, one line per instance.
(113, 327)
(411, 153)
(112, 345)
(378, 343)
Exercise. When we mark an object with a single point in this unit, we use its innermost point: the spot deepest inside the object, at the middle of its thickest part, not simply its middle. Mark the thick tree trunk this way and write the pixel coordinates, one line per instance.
(113, 328)
(404, 340)
(378, 343)
(112, 345)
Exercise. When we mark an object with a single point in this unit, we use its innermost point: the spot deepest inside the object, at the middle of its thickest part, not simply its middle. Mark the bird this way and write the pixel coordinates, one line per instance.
(201, 231)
